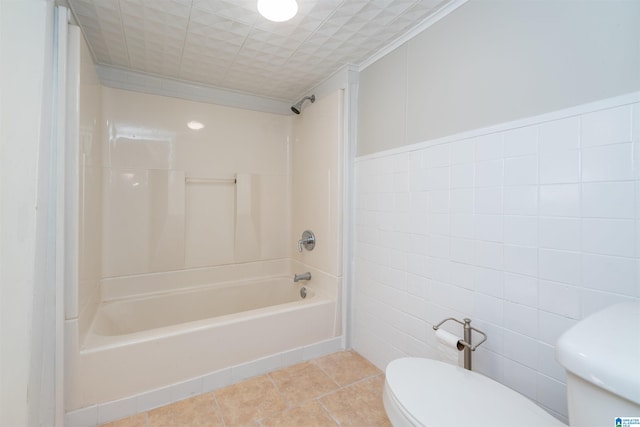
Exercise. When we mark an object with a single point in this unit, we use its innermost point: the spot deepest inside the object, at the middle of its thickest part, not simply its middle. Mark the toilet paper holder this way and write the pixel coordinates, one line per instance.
(467, 340)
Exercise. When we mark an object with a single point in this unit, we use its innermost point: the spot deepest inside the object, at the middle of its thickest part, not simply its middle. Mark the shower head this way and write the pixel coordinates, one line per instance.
(297, 107)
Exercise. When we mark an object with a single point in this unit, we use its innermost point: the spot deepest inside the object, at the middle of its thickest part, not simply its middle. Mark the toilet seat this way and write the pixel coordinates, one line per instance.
(430, 393)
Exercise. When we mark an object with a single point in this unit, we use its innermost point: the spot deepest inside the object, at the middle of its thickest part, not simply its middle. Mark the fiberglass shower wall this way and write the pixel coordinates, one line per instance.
(170, 200)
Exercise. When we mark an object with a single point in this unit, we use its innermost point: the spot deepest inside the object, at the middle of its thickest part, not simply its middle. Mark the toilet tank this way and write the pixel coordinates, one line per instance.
(601, 355)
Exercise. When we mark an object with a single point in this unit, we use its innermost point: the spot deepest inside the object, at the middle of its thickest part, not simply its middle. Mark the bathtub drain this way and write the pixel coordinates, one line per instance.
(303, 292)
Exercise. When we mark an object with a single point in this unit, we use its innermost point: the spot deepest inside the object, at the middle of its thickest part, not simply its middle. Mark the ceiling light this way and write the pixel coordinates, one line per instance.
(278, 10)
(195, 125)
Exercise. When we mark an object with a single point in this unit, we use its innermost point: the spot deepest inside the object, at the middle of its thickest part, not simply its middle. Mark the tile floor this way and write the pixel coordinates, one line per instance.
(341, 389)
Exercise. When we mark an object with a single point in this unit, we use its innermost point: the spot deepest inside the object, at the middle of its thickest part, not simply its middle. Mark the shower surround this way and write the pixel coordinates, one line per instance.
(159, 209)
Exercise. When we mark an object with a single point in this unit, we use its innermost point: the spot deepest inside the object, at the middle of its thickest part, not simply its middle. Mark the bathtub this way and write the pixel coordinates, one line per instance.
(145, 342)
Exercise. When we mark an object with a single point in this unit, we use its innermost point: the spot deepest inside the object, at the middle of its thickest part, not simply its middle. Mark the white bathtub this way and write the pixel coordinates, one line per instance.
(141, 343)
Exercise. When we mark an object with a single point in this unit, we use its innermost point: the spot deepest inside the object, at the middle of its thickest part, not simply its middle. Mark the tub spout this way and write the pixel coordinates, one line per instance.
(303, 276)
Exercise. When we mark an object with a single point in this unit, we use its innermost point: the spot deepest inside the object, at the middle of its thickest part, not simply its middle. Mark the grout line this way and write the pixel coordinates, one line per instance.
(328, 412)
(215, 400)
(289, 404)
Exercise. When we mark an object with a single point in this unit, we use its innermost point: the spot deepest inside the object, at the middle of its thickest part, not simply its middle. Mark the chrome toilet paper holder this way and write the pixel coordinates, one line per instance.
(467, 340)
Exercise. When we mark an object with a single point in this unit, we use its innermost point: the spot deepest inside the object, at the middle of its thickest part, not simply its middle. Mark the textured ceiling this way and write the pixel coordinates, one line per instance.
(227, 44)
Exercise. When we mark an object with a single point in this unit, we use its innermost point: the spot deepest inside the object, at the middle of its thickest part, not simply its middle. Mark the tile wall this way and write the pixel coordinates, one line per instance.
(526, 228)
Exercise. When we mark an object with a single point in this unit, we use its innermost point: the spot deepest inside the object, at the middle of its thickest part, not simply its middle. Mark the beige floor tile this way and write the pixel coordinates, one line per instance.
(302, 382)
(249, 400)
(359, 404)
(308, 414)
(139, 420)
(347, 367)
(199, 411)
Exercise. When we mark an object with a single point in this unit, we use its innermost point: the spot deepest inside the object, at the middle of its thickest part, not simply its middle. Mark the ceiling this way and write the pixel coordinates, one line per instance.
(228, 44)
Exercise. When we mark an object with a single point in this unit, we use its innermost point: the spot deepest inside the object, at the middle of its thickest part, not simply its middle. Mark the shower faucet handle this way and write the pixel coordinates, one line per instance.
(308, 241)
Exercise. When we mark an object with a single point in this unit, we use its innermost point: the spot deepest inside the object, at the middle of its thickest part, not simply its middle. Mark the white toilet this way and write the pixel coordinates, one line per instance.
(601, 355)
(602, 358)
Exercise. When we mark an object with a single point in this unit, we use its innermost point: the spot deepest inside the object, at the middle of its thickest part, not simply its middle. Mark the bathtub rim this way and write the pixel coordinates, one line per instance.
(93, 342)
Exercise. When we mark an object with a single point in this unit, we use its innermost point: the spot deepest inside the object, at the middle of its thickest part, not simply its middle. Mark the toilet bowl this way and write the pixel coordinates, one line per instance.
(430, 393)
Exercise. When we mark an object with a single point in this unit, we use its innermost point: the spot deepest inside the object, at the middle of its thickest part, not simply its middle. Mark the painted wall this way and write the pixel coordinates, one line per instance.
(490, 62)
(27, 383)
(525, 226)
(167, 221)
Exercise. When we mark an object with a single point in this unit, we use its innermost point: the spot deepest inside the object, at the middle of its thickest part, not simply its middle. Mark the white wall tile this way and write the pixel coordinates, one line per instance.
(521, 200)
(521, 170)
(520, 347)
(463, 275)
(559, 299)
(521, 289)
(437, 156)
(462, 225)
(489, 309)
(559, 135)
(609, 236)
(520, 378)
(594, 301)
(551, 326)
(607, 126)
(488, 201)
(488, 363)
(608, 200)
(437, 178)
(520, 230)
(461, 200)
(608, 163)
(559, 266)
(489, 173)
(560, 167)
(462, 151)
(438, 201)
(547, 363)
(552, 394)
(560, 200)
(612, 274)
(488, 254)
(560, 233)
(415, 264)
(488, 227)
(488, 281)
(438, 269)
(462, 175)
(416, 285)
(520, 142)
(438, 223)
(521, 260)
(521, 319)
(438, 246)
(526, 256)
(489, 147)
(462, 250)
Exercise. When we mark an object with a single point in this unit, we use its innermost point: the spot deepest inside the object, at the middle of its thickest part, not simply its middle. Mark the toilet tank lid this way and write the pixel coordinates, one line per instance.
(604, 349)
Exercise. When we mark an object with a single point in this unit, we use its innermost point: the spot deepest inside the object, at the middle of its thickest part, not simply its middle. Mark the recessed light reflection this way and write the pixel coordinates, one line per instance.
(195, 125)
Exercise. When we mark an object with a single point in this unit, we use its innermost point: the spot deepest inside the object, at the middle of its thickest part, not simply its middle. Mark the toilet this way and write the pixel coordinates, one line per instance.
(431, 393)
(601, 355)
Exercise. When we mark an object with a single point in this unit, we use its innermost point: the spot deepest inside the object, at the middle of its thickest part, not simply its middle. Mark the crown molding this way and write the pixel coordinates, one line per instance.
(145, 83)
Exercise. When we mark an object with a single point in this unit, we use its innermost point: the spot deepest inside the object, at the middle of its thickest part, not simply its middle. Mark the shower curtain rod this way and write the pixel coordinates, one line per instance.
(209, 180)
